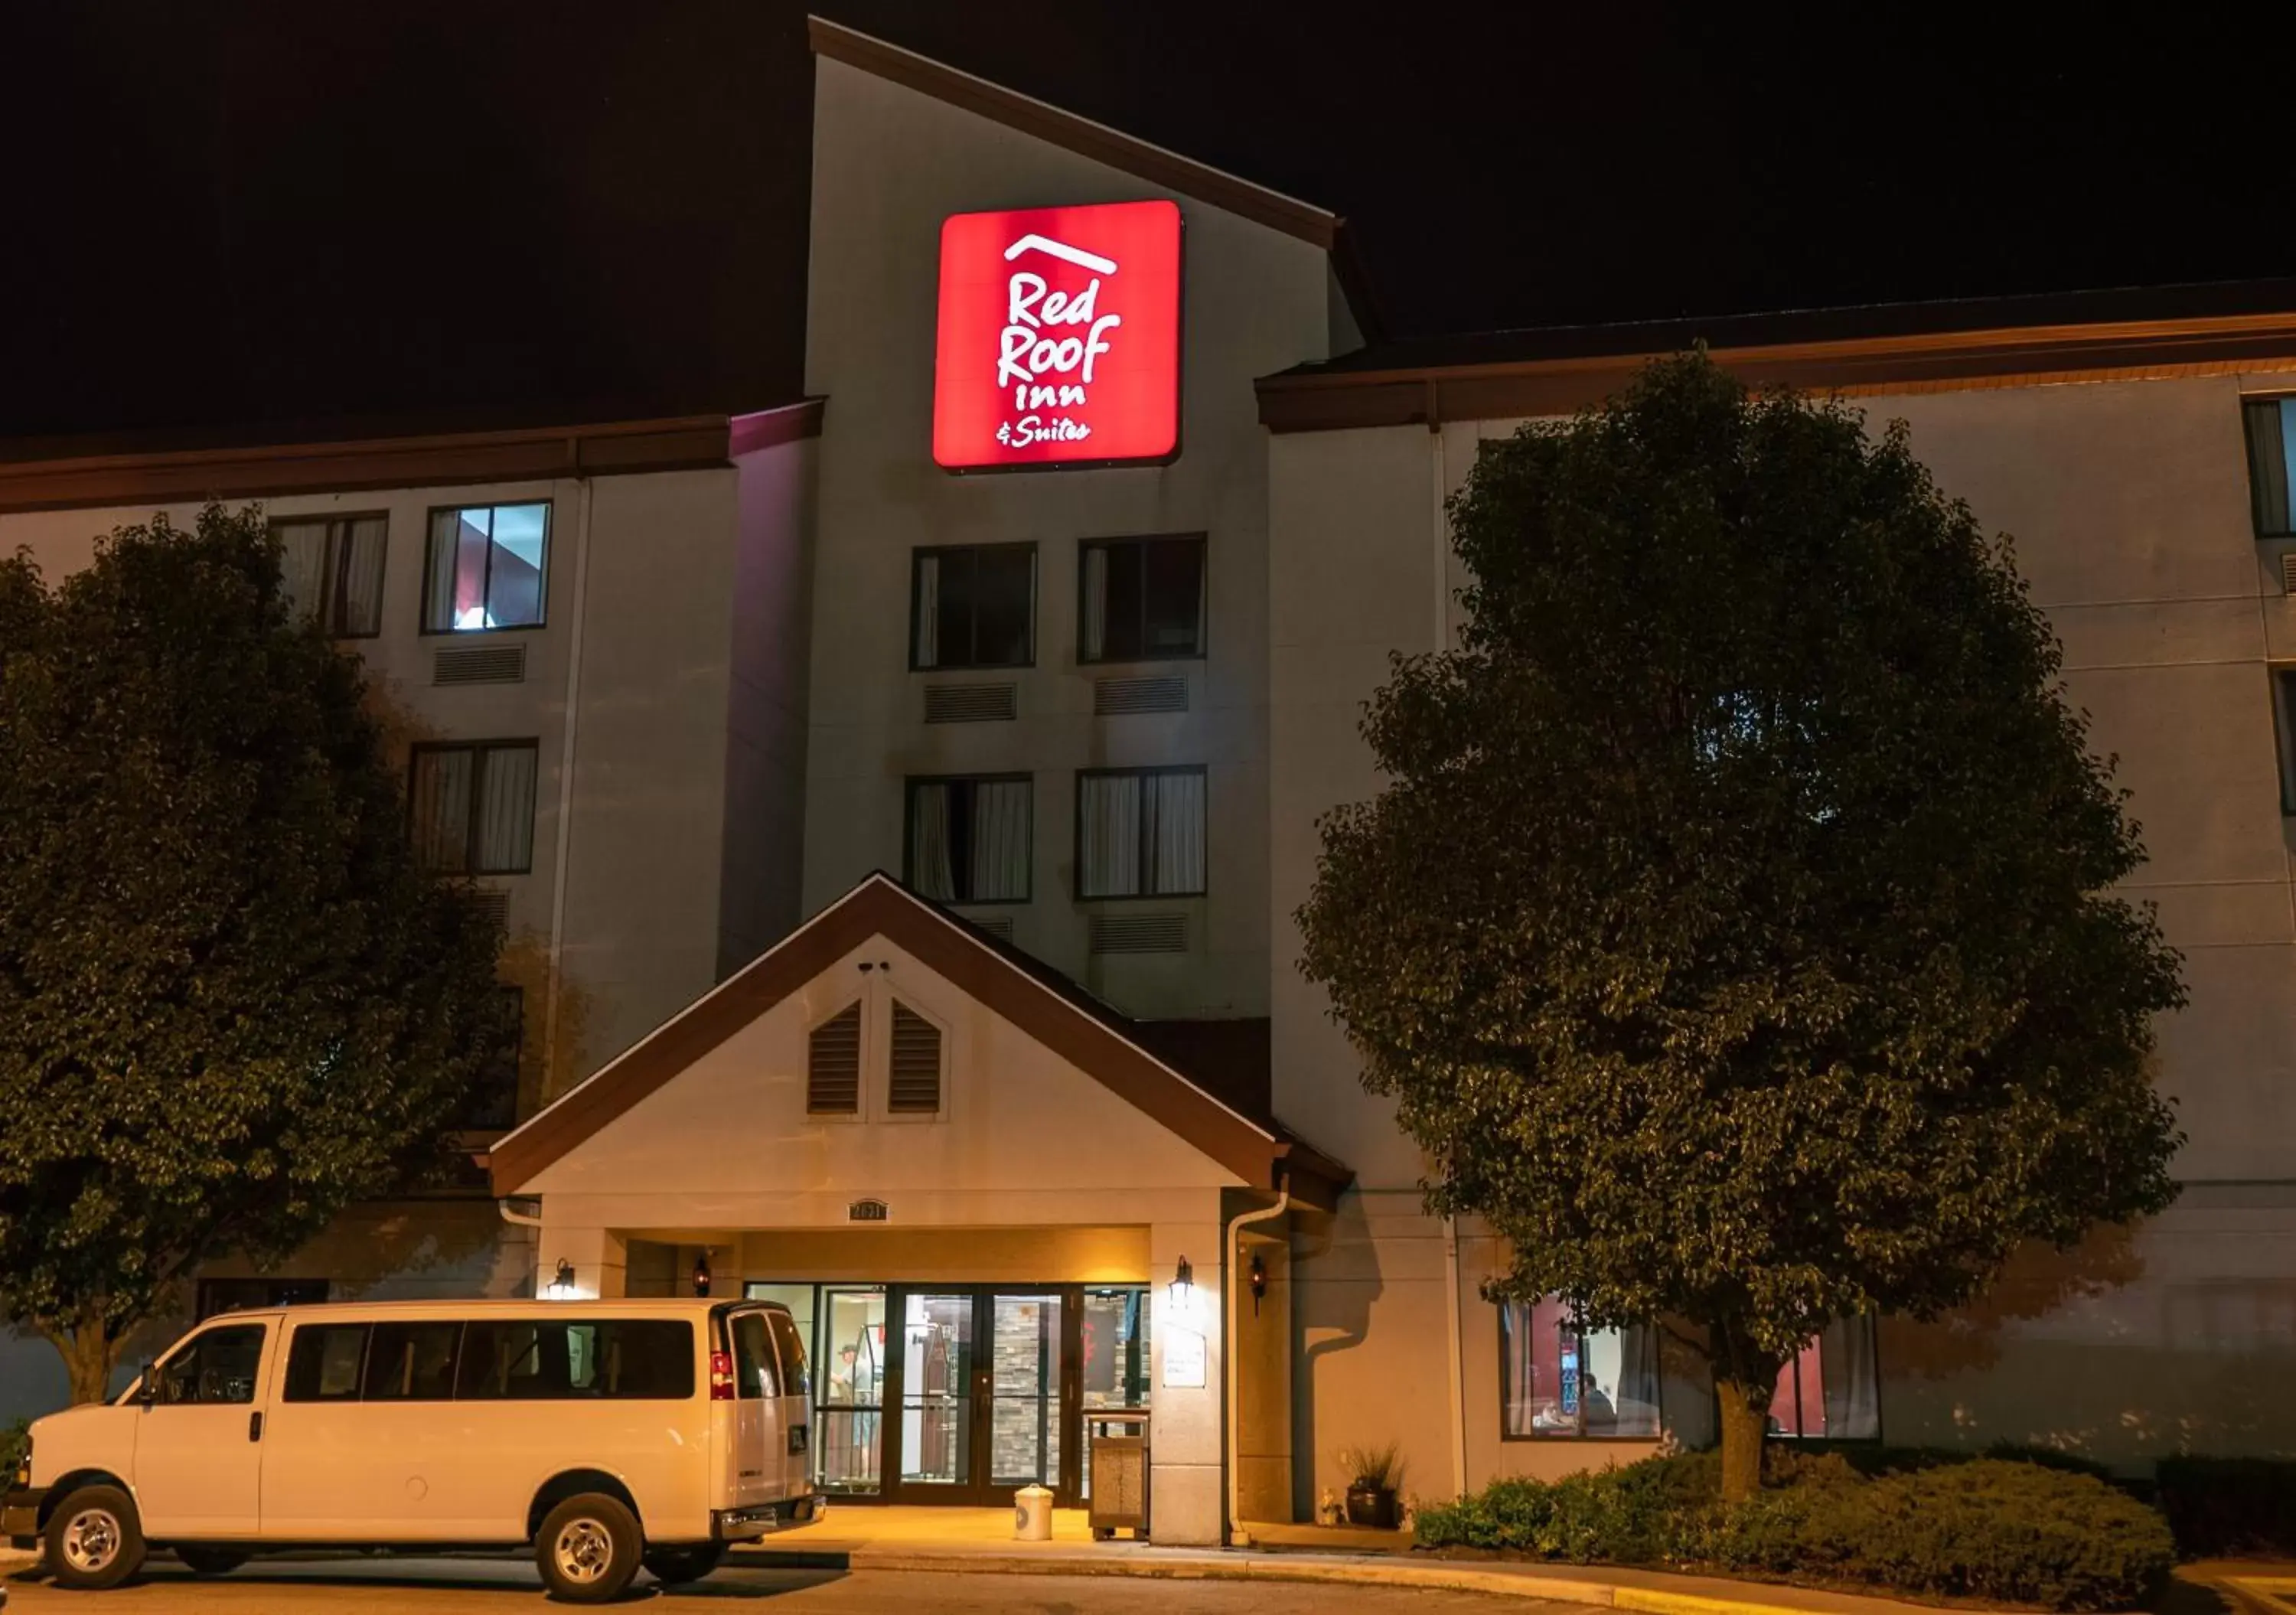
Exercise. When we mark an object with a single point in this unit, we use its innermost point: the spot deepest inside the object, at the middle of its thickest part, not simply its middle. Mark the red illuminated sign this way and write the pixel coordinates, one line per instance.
(1060, 337)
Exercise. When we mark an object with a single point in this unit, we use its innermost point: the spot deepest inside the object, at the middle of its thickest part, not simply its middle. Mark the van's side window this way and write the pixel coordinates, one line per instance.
(555, 1359)
(754, 1373)
(412, 1361)
(795, 1381)
(322, 1361)
(217, 1366)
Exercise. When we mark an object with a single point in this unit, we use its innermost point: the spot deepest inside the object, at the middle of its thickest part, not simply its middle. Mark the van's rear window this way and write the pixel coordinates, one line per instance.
(576, 1360)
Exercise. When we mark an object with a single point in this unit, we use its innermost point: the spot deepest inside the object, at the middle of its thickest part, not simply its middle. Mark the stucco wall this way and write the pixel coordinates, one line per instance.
(889, 164)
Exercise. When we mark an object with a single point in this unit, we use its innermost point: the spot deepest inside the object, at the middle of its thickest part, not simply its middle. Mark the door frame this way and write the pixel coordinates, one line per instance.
(982, 1490)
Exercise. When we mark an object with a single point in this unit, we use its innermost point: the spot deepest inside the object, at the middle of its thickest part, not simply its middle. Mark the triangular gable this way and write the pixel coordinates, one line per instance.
(1088, 1035)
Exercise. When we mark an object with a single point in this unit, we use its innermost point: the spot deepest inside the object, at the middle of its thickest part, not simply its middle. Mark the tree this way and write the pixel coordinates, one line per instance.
(1735, 931)
(230, 1001)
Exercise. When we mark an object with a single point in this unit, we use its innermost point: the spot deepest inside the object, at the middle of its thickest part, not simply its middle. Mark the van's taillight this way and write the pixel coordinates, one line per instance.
(721, 1376)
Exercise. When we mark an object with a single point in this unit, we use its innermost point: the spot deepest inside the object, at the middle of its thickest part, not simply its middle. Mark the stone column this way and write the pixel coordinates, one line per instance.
(1186, 1484)
(600, 1258)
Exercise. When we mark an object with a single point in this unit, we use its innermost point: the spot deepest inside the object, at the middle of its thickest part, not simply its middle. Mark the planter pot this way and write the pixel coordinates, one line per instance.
(1372, 1506)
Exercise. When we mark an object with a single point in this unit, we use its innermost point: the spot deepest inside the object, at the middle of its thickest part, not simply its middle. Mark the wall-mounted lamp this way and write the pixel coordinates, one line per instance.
(1257, 1277)
(562, 1281)
(1183, 1288)
(701, 1274)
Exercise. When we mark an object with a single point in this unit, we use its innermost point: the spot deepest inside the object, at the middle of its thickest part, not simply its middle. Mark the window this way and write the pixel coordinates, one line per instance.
(2271, 465)
(243, 1294)
(1141, 599)
(969, 839)
(411, 1362)
(331, 570)
(1140, 833)
(491, 1102)
(324, 1361)
(914, 1086)
(755, 1373)
(796, 1382)
(473, 807)
(1557, 1379)
(486, 569)
(2284, 718)
(1830, 1390)
(973, 607)
(555, 1359)
(833, 1065)
(217, 1366)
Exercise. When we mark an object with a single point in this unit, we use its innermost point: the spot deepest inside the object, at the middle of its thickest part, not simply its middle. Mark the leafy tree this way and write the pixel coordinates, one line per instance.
(1734, 930)
(230, 1002)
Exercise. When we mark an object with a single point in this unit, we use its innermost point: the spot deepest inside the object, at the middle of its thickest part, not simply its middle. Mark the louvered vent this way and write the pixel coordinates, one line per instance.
(999, 926)
(495, 905)
(833, 1065)
(479, 665)
(1120, 697)
(1139, 933)
(915, 1089)
(970, 703)
(2288, 571)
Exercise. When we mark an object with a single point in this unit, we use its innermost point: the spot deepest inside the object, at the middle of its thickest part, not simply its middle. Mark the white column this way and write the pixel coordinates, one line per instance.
(1187, 1489)
(599, 1257)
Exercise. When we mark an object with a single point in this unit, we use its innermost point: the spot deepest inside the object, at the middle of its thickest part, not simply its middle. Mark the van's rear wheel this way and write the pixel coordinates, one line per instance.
(681, 1565)
(203, 1560)
(93, 1539)
(588, 1548)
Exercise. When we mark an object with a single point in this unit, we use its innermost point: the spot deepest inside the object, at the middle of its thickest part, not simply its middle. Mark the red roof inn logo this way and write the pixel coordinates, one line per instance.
(1060, 337)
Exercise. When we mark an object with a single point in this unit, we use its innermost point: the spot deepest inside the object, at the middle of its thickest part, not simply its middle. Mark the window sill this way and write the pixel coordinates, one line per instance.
(1143, 896)
(1119, 663)
(501, 627)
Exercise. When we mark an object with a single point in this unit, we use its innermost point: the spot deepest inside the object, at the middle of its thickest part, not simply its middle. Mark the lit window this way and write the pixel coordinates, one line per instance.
(1143, 600)
(969, 839)
(1831, 1391)
(973, 606)
(473, 807)
(1140, 833)
(2271, 465)
(331, 570)
(487, 568)
(1559, 1379)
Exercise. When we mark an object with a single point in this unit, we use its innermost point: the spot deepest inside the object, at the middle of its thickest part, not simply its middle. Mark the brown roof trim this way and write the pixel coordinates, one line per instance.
(64, 480)
(1308, 400)
(771, 427)
(1081, 136)
(880, 906)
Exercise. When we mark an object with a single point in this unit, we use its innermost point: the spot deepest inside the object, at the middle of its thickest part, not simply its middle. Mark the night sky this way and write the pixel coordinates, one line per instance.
(227, 213)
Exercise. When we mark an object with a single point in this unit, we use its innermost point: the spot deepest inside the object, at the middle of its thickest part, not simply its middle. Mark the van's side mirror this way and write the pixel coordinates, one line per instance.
(147, 1388)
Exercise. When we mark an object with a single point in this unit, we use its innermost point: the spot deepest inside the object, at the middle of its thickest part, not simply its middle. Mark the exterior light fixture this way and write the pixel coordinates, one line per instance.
(562, 1281)
(1183, 1288)
(701, 1274)
(1258, 1276)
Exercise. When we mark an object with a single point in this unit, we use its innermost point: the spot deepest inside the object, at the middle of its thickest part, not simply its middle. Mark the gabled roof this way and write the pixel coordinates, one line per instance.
(1057, 1013)
(1140, 158)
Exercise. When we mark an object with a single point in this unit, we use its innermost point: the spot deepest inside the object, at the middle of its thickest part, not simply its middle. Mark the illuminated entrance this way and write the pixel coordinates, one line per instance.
(963, 1394)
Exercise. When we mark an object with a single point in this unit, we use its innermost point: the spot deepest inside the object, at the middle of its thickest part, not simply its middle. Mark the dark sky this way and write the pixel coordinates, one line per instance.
(230, 213)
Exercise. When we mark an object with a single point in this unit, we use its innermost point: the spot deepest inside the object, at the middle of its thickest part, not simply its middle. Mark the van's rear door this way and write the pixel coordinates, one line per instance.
(753, 1463)
(796, 1406)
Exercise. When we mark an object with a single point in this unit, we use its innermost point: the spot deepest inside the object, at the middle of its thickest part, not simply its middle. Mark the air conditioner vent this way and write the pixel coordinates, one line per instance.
(479, 665)
(2288, 571)
(1121, 697)
(972, 703)
(494, 903)
(1139, 933)
(999, 926)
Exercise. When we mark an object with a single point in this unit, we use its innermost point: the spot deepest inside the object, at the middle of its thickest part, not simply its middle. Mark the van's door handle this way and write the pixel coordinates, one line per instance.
(255, 1426)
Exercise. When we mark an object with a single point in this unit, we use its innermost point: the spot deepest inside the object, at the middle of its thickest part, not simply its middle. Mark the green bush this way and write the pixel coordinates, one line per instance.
(2227, 1507)
(1989, 1528)
(13, 1439)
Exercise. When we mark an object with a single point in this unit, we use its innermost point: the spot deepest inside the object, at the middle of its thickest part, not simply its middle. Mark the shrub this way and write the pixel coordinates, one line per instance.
(1986, 1529)
(13, 1439)
(2230, 1506)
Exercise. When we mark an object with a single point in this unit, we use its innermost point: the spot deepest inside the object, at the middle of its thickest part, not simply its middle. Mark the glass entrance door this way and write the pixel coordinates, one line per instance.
(988, 1382)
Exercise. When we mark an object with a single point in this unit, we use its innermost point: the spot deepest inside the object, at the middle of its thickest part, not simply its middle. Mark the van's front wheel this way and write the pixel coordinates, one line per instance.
(588, 1548)
(675, 1565)
(93, 1539)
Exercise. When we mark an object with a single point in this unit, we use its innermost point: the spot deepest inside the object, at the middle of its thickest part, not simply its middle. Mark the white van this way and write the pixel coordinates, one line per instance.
(608, 1434)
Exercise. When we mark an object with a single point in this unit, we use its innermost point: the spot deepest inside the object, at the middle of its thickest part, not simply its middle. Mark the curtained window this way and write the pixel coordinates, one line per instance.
(1140, 600)
(1559, 1379)
(1830, 1390)
(2271, 465)
(973, 606)
(1140, 833)
(487, 568)
(969, 839)
(331, 571)
(471, 807)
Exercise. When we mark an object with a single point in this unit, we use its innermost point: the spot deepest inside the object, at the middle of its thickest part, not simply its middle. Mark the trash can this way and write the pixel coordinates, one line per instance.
(1032, 1514)
(1117, 1471)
